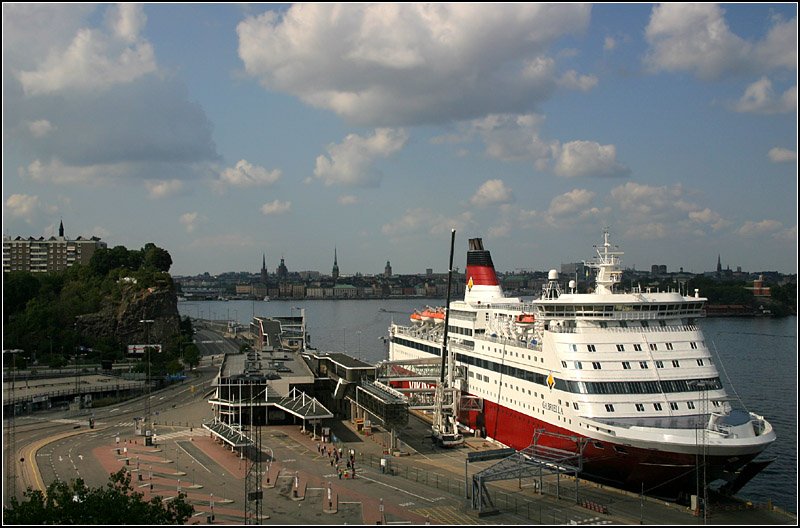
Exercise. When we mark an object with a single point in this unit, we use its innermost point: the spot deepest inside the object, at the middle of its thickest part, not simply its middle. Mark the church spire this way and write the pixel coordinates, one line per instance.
(335, 271)
(61, 229)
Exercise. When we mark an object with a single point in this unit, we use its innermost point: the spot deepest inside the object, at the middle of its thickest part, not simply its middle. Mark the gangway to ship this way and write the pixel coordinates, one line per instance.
(382, 402)
(416, 379)
(420, 369)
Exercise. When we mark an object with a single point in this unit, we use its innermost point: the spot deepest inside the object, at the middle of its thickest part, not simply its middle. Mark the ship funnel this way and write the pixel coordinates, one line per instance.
(482, 284)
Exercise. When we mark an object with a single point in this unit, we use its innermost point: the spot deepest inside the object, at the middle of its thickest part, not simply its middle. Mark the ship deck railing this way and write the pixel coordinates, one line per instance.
(640, 329)
(423, 333)
(537, 347)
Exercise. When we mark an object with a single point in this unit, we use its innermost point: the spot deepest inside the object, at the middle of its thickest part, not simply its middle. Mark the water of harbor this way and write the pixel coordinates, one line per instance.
(756, 357)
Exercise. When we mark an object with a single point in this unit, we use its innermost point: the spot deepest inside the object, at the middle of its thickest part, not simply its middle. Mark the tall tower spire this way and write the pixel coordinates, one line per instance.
(335, 271)
(719, 263)
(61, 229)
(263, 268)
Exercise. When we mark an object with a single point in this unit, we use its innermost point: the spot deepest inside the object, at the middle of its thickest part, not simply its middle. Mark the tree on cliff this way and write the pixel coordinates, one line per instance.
(156, 257)
(114, 504)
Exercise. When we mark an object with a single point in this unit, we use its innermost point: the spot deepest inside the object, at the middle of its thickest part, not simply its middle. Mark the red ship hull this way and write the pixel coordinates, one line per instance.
(663, 474)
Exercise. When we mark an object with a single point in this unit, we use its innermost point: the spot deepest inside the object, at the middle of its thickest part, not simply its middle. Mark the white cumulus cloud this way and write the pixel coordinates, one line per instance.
(759, 97)
(696, 38)
(245, 174)
(94, 107)
(189, 221)
(571, 203)
(352, 162)
(21, 205)
(95, 59)
(425, 222)
(588, 158)
(410, 63)
(276, 207)
(782, 155)
(511, 137)
(646, 200)
(347, 199)
(515, 138)
(710, 218)
(760, 228)
(40, 128)
(492, 192)
(59, 173)
(163, 188)
(575, 81)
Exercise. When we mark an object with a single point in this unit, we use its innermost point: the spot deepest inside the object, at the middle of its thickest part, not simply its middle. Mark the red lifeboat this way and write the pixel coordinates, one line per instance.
(525, 319)
(433, 315)
(416, 317)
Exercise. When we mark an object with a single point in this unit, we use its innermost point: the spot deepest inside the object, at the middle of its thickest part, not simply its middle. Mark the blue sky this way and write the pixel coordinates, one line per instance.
(222, 132)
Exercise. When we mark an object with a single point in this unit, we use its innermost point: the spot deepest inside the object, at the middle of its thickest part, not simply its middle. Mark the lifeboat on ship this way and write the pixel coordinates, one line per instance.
(525, 319)
(416, 317)
(434, 315)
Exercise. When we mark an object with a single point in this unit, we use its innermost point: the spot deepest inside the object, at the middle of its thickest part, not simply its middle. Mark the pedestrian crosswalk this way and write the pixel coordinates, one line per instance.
(69, 420)
(179, 434)
(183, 433)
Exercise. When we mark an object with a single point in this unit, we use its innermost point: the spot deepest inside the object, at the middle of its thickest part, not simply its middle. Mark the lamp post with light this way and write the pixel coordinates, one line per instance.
(147, 323)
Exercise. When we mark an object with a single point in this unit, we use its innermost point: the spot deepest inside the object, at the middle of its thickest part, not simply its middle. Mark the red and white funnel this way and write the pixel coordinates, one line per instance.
(482, 284)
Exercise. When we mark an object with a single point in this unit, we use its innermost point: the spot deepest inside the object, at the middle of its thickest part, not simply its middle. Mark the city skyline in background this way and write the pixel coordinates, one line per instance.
(224, 132)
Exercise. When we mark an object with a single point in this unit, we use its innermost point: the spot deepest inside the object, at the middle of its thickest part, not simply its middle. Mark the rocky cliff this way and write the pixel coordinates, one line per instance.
(122, 319)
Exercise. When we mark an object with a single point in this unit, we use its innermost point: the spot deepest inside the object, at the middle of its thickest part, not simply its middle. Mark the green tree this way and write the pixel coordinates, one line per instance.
(191, 355)
(156, 257)
(19, 287)
(76, 504)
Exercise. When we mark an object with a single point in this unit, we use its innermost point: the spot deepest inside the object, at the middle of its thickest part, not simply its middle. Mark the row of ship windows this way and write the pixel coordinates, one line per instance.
(553, 310)
(657, 406)
(640, 407)
(637, 347)
(618, 387)
(597, 365)
(515, 354)
(577, 387)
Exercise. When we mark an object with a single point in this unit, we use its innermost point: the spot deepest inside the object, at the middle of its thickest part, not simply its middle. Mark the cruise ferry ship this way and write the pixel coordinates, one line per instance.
(625, 377)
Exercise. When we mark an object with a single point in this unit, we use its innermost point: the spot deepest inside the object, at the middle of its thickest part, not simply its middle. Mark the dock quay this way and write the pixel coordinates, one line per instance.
(252, 441)
(319, 403)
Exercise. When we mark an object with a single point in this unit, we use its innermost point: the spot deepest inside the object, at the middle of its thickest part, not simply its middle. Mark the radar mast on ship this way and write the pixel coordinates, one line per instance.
(607, 264)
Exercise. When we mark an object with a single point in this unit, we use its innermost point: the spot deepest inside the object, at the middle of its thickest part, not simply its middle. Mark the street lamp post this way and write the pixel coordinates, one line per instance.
(147, 323)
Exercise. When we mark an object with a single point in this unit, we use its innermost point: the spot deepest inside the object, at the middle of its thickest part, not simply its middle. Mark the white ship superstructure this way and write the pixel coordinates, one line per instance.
(625, 376)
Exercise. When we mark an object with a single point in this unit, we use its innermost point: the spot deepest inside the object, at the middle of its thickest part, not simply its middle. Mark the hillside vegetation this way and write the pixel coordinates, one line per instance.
(95, 311)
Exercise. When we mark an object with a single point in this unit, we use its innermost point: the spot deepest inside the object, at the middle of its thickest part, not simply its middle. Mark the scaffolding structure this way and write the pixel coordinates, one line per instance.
(533, 462)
